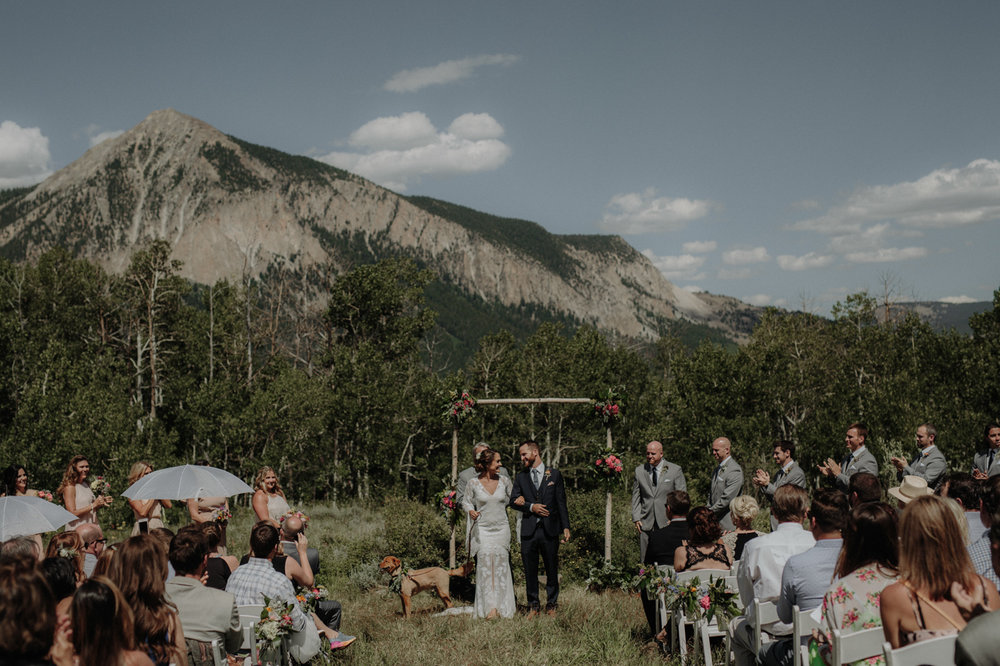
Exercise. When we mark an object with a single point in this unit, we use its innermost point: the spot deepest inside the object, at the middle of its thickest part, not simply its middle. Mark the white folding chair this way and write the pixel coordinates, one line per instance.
(714, 629)
(856, 645)
(662, 614)
(939, 650)
(699, 627)
(218, 652)
(249, 617)
(764, 612)
(802, 626)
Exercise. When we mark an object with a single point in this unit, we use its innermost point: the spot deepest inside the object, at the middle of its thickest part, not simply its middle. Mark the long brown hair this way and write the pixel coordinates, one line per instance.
(66, 541)
(102, 623)
(139, 569)
(71, 477)
(931, 552)
(869, 538)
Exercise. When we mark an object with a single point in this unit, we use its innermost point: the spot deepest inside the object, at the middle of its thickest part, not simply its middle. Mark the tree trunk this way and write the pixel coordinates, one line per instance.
(454, 482)
(607, 514)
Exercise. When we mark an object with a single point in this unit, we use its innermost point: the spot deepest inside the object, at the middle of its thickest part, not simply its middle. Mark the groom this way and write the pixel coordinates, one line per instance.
(539, 492)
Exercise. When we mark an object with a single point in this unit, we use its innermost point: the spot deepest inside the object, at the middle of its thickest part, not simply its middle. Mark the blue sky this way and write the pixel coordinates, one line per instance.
(785, 153)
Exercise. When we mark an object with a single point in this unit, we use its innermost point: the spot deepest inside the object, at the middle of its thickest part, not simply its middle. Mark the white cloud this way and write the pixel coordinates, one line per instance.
(809, 260)
(861, 239)
(743, 257)
(692, 288)
(682, 267)
(957, 300)
(759, 299)
(411, 80)
(644, 212)
(942, 199)
(104, 136)
(409, 130)
(886, 254)
(24, 155)
(699, 247)
(403, 148)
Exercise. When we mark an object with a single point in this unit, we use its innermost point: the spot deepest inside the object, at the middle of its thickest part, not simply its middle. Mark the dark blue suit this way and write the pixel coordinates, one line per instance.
(540, 535)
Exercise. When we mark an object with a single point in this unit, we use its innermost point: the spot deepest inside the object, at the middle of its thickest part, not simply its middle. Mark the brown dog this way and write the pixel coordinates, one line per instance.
(418, 580)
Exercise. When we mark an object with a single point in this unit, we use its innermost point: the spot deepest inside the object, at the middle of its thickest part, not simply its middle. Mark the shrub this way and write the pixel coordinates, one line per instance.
(415, 533)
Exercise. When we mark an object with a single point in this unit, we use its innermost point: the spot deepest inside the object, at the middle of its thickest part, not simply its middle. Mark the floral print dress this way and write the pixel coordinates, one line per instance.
(852, 603)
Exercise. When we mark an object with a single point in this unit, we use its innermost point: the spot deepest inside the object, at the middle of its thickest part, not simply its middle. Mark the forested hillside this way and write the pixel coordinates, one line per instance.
(350, 402)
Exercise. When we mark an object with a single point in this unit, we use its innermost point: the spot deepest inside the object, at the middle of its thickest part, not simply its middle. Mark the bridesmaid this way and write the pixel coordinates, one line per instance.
(15, 482)
(269, 501)
(205, 509)
(149, 510)
(77, 495)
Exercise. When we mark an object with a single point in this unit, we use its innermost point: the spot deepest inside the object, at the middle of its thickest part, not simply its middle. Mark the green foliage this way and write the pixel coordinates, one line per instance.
(294, 166)
(417, 532)
(233, 175)
(13, 193)
(607, 576)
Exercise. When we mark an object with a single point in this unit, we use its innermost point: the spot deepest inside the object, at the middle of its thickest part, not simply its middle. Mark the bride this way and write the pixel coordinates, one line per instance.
(485, 500)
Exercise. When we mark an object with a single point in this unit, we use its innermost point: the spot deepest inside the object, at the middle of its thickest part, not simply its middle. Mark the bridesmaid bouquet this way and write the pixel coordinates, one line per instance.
(45, 495)
(222, 515)
(100, 486)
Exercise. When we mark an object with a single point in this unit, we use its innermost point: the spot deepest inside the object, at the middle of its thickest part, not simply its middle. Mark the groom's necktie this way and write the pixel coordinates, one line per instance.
(536, 478)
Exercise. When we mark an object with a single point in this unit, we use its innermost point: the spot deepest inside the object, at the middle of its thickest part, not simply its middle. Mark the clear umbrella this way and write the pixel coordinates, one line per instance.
(185, 482)
(23, 515)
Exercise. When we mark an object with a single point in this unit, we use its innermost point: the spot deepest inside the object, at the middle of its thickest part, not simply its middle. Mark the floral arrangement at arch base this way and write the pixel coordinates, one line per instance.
(460, 406)
(609, 407)
(695, 599)
(447, 501)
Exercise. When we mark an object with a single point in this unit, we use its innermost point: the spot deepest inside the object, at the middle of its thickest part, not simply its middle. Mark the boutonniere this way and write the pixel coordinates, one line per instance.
(548, 473)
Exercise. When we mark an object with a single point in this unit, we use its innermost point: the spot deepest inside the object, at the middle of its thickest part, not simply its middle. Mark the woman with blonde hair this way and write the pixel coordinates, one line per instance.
(148, 513)
(742, 511)
(103, 626)
(269, 501)
(139, 569)
(68, 545)
(76, 494)
(932, 558)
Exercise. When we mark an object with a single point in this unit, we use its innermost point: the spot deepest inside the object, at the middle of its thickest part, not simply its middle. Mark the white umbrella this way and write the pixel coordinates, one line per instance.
(186, 481)
(24, 515)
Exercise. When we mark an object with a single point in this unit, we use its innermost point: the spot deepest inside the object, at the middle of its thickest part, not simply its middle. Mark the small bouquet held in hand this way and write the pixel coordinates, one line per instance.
(45, 495)
(275, 623)
(222, 516)
(308, 596)
(100, 486)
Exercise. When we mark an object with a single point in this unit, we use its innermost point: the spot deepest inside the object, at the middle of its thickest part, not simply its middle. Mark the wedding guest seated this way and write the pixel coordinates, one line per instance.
(299, 574)
(139, 569)
(93, 546)
(68, 545)
(932, 559)
(164, 536)
(19, 547)
(328, 610)
(61, 577)
(980, 549)
(103, 626)
(219, 566)
(663, 542)
(104, 560)
(963, 489)
(206, 614)
(806, 576)
(743, 510)
(703, 550)
(864, 487)
(29, 630)
(977, 643)
(256, 579)
(868, 562)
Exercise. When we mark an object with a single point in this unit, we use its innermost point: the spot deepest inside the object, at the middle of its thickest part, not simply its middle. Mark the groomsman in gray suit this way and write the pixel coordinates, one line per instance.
(789, 472)
(727, 482)
(987, 463)
(649, 493)
(929, 464)
(859, 458)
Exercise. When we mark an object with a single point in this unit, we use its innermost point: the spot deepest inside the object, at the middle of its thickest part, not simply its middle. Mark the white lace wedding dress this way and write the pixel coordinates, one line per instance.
(490, 541)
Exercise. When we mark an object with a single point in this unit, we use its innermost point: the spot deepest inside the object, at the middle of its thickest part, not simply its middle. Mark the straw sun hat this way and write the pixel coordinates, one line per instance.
(912, 487)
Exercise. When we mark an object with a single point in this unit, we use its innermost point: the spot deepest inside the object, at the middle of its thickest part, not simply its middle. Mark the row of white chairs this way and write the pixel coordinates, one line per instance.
(845, 647)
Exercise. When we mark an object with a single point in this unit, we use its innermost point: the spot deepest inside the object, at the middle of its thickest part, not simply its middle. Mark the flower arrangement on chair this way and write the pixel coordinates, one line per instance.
(275, 624)
(308, 596)
(695, 599)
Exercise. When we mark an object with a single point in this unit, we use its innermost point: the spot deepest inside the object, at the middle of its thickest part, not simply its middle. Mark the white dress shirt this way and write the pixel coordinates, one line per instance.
(763, 559)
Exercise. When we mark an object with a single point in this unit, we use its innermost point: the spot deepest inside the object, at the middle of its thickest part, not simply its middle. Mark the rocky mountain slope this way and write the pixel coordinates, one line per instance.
(229, 208)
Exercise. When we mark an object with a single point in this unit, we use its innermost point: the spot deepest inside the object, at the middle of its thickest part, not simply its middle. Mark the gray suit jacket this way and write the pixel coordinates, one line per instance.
(311, 554)
(795, 476)
(931, 467)
(205, 613)
(649, 503)
(982, 459)
(977, 643)
(860, 463)
(463, 481)
(726, 485)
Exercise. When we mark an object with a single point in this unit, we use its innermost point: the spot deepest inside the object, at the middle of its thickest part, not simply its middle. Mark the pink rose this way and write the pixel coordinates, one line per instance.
(705, 602)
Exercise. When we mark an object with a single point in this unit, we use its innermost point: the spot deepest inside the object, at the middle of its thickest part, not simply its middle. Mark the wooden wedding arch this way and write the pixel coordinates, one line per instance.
(527, 401)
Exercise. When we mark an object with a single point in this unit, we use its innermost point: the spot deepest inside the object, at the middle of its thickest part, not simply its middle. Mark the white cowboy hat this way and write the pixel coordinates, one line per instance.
(912, 487)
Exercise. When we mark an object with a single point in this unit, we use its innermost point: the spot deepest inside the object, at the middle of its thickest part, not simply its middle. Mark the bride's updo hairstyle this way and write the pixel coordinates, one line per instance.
(484, 459)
